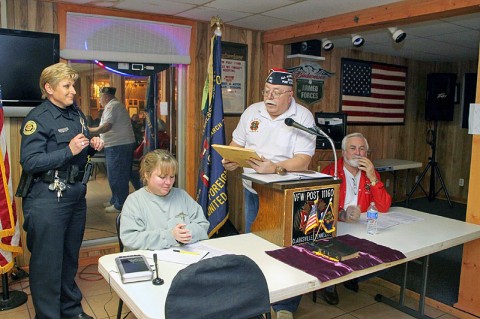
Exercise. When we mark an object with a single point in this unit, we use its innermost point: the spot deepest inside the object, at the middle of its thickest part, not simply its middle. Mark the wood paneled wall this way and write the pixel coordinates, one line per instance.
(406, 141)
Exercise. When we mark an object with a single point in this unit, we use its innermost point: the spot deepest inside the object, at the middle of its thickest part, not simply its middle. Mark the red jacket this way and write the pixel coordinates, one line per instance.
(366, 192)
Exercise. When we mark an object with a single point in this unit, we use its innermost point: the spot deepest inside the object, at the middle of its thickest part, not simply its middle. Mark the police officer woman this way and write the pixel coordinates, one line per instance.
(54, 154)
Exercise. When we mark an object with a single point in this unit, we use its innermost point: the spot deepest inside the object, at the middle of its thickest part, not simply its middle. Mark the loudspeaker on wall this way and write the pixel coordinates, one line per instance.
(440, 96)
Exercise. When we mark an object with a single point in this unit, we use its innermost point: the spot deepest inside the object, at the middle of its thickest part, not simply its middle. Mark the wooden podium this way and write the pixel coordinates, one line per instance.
(284, 209)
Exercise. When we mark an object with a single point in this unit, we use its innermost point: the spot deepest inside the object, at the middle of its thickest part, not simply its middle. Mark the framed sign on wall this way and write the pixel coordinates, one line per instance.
(234, 75)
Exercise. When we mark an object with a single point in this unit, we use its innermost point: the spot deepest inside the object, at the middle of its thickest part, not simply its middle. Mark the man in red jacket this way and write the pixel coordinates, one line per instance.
(360, 186)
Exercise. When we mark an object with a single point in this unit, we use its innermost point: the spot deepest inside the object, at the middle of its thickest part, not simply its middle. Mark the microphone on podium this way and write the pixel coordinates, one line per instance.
(314, 131)
(291, 122)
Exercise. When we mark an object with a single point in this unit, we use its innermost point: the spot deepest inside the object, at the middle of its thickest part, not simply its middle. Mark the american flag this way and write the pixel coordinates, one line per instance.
(9, 229)
(312, 221)
(373, 93)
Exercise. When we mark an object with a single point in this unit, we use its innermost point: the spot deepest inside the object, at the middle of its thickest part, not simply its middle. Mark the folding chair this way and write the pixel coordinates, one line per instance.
(117, 226)
(228, 286)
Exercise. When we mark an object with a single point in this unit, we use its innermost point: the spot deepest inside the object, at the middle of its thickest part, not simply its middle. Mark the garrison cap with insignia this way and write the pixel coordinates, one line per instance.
(280, 77)
(108, 90)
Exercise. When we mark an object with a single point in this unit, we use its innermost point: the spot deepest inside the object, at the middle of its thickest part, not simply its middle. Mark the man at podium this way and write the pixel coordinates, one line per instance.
(282, 148)
(262, 128)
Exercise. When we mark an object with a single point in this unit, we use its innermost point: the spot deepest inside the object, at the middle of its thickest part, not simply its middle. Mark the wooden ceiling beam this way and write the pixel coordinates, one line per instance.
(398, 13)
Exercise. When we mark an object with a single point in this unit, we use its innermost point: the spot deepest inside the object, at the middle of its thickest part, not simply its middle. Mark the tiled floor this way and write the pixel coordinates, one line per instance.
(101, 302)
(100, 225)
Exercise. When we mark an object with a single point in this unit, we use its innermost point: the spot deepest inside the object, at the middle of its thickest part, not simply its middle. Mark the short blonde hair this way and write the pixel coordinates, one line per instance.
(162, 160)
(55, 73)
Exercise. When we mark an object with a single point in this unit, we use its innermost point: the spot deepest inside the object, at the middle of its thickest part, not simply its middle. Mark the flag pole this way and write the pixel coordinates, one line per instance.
(11, 299)
(8, 299)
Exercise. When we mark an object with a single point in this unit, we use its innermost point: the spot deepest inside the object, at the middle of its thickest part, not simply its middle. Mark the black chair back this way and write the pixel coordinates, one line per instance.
(228, 286)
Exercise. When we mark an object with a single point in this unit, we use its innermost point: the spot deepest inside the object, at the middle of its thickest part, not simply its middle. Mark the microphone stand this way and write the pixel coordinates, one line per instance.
(320, 132)
(157, 280)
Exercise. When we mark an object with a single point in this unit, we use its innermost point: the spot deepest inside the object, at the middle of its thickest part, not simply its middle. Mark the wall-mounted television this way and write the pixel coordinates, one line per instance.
(334, 125)
(23, 56)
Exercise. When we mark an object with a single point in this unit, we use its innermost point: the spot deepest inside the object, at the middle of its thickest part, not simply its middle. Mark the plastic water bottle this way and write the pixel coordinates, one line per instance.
(372, 218)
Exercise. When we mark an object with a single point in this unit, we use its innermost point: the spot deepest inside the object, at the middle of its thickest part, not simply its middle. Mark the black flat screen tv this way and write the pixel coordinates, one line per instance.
(23, 56)
(334, 125)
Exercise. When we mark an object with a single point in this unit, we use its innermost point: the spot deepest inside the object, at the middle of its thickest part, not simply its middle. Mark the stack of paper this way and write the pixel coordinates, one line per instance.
(180, 255)
(291, 176)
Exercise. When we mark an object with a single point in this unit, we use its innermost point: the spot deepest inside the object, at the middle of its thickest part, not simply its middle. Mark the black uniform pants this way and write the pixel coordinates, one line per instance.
(54, 236)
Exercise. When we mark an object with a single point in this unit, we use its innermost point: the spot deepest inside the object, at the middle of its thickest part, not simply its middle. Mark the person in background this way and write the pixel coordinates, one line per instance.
(96, 121)
(116, 131)
(159, 215)
(89, 120)
(137, 129)
(282, 148)
(163, 141)
(360, 186)
(54, 150)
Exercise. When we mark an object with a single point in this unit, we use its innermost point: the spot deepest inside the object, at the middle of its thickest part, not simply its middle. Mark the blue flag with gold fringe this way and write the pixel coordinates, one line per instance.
(212, 179)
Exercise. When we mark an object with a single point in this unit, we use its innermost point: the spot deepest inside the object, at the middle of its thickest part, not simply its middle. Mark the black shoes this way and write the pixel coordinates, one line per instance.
(351, 284)
(81, 315)
(331, 297)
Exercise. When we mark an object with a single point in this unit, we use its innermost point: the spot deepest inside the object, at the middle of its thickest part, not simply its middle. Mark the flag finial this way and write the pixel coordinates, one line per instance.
(218, 24)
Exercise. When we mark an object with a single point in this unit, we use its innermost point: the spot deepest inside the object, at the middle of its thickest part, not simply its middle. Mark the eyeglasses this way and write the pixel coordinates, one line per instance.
(355, 188)
(275, 93)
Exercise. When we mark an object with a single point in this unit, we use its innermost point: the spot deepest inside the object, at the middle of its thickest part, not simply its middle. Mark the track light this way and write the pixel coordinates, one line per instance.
(357, 40)
(398, 35)
(327, 45)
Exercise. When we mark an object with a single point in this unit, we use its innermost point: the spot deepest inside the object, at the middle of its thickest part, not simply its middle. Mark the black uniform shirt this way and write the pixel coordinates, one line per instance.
(46, 132)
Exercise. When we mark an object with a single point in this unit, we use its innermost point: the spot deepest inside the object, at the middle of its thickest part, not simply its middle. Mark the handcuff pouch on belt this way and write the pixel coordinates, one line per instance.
(24, 184)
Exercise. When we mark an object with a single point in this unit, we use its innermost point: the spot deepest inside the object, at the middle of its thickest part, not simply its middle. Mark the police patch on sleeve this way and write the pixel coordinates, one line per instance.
(30, 128)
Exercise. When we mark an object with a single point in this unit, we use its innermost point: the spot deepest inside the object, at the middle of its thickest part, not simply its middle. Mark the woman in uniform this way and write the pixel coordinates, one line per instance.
(55, 149)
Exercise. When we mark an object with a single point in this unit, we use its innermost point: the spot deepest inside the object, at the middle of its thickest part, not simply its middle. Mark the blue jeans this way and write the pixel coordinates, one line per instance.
(251, 212)
(251, 209)
(135, 178)
(290, 304)
(118, 160)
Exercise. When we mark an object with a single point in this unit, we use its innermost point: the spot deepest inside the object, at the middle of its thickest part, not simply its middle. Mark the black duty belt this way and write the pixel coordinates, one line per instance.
(70, 176)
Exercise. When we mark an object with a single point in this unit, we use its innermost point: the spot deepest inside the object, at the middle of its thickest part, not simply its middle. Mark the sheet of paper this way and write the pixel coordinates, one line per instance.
(180, 255)
(187, 254)
(212, 252)
(391, 219)
(292, 176)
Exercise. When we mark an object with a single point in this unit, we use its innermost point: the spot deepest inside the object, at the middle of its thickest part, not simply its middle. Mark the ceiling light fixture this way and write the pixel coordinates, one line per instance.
(357, 40)
(398, 35)
(327, 45)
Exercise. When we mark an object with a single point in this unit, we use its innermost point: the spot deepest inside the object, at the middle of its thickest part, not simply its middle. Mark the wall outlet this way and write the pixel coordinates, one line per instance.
(387, 183)
(461, 182)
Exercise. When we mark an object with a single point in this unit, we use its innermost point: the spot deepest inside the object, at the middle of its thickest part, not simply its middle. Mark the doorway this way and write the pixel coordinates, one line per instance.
(133, 92)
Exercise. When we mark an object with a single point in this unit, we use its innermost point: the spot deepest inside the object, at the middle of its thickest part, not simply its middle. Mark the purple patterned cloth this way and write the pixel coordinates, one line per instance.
(302, 258)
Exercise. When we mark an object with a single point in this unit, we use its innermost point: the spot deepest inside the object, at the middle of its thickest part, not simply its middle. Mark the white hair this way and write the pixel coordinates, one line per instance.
(344, 141)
